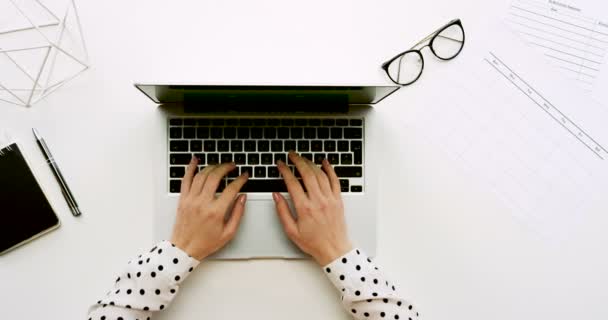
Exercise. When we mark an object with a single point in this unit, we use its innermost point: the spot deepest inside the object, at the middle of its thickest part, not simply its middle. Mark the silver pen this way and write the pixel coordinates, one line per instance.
(64, 186)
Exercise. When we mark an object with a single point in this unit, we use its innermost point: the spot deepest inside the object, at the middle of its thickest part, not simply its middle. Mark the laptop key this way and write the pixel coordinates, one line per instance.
(259, 122)
(303, 146)
(353, 133)
(274, 122)
(344, 185)
(333, 158)
(201, 158)
(323, 133)
(189, 122)
(356, 122)
(307, 156)
(296, 133)
(342, 122)
(264, 185)
(349, 172)
(329, 122)
(231, 122)
(213, 158)
(175, 186)
(336, 133)
(280, 156)
(189, 132)
(223, 146)
(242, 132)
(202, 132)
(234, 173)
(178, 145)
(319, 158)
(259, 172)
(247, 169)
(249, 145)
(270, 133)
(314, 122)
(287, 122)
(209, 145)
(253, 158)
(267, 158)
(230, 133)
(257, 133)
(263, 145)
(180, 158)
(301, 122)
(203, 122)
(329, 145)
(346, 158)
(356, 189)
(316, 145)
(276, 146)
(196, 145)
(177, 172)
(343, 146)
(215, 132)
(217, 122)
(246, 122)
(239, 158)
(236, 145)
(273, 172)
(290, 145)
(175, 122)
(226, 157)
(283, 133)
(310, 133)
(356, 148)
(175, 133)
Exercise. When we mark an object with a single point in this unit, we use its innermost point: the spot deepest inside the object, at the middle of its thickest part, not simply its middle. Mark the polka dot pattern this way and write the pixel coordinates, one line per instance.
(366, 292)
(149, 287)
(148, 284)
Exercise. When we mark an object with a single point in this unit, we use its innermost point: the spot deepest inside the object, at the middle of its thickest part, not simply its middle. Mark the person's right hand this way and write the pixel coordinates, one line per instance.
(320, 229)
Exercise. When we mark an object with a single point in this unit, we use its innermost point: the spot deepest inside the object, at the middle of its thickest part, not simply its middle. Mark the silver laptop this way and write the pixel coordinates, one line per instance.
(254, 126)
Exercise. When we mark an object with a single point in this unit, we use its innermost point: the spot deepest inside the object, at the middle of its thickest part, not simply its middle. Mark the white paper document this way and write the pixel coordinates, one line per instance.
(537, 140)
(571, 34)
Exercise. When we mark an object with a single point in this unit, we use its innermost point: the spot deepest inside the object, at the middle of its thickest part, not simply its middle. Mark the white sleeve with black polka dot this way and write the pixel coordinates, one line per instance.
(148, 284)
(366, 292)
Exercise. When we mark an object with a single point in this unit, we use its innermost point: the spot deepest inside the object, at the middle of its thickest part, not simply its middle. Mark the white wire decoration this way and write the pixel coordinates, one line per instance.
(42, 47)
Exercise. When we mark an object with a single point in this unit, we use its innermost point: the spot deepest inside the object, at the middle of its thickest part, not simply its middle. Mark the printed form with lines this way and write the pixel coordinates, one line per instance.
(569, 34)
(515, 125)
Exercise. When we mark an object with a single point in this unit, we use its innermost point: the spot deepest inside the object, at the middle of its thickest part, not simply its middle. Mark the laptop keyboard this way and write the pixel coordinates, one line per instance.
(255, 145)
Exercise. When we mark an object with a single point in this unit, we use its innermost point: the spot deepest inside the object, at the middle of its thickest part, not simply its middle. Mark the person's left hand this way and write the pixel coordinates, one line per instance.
(200, 228)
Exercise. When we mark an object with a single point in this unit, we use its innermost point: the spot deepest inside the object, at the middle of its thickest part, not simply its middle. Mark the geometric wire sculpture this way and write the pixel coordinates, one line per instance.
(39, 55)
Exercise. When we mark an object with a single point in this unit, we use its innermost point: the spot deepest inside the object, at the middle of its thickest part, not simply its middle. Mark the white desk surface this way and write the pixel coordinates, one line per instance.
(453, 247)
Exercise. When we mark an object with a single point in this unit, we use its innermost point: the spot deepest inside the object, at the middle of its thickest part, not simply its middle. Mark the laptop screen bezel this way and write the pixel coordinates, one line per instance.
(346, 94)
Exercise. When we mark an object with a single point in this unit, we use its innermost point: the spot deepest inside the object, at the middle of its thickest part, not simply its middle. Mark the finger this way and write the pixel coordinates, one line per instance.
(233, 188)
(289, 224)
(322, 178)
(189, 176)
(199, 180)
(214, 178)
(235, 218)
(333, 177)
(307, 173)
(293, 185)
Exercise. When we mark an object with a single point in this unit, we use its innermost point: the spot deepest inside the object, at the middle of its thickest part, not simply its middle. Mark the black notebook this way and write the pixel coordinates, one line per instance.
(25, 212)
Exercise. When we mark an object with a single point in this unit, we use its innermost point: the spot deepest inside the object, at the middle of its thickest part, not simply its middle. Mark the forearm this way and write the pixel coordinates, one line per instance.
(366, 292)
(148, 284)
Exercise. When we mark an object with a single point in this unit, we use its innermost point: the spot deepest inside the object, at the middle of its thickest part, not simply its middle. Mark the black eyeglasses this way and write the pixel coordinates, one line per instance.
(445, 43)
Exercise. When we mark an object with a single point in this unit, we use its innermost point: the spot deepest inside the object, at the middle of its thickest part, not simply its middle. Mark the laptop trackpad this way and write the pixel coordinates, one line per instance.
(260, 235)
